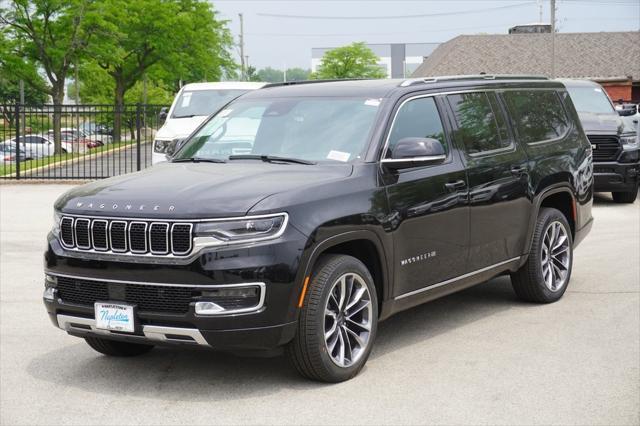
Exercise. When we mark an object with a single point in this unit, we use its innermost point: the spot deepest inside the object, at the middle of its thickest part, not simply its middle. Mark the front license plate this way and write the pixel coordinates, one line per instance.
(113, 316)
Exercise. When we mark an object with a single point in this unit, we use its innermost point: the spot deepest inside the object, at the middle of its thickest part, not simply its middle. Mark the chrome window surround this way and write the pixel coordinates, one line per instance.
(496, 90)
(198, 243)
(261, 286)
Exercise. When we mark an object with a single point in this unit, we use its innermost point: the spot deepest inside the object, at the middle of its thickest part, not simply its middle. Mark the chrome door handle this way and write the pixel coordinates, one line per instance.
(454, 186)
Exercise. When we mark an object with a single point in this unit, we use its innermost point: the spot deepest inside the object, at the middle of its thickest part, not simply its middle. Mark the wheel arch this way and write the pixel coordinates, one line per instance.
(560, 197)
(363, 245)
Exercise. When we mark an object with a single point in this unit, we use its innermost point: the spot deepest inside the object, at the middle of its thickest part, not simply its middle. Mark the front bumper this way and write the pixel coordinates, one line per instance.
(273, 265)
(615, 177)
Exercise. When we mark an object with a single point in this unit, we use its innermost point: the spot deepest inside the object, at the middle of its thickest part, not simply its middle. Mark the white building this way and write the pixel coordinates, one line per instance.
(397, 59)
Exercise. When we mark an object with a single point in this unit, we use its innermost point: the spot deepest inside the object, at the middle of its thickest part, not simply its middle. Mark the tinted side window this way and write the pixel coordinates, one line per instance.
(478, 128)
(417, 118)
(537, 115)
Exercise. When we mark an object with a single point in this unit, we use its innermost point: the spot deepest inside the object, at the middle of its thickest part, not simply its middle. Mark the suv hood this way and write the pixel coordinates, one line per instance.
(602, 123)
(174, 128)
(195, 190)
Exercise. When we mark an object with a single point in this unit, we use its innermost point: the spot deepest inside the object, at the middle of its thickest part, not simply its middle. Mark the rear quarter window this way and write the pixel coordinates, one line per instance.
(537, 115)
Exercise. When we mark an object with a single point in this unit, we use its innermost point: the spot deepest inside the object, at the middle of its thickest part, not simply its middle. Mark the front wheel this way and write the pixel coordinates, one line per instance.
(545, 275)
(338, 321)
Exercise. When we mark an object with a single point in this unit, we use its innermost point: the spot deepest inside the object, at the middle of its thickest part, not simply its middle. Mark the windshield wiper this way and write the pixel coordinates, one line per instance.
(198, 160)
(270, 159)
(184, 116)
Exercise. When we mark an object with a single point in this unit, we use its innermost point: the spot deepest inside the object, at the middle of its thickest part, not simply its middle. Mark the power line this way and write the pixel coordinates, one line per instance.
(423, 15)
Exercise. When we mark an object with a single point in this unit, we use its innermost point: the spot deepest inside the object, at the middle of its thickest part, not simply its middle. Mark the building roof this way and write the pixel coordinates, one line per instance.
(597, 56)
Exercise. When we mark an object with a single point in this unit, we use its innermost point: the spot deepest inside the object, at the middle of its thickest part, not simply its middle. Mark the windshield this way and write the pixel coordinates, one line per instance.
(191, 103)
(313, 129)
(590, 99)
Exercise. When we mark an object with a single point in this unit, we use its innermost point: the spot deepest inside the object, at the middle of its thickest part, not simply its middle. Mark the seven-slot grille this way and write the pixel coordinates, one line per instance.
(126, 236)
(605, 148)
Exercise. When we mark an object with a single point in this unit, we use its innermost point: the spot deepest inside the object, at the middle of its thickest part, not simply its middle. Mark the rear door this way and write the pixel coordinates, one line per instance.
(499, 206)
(427, 204)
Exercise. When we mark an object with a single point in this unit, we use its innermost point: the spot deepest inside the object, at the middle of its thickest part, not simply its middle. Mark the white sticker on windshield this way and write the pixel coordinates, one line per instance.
(186, 99)
(598, 90)
(224, 112)
(338, 156)
(372, 102)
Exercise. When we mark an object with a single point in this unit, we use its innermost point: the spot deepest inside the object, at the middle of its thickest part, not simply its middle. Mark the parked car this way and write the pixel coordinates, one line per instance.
(38, 146)
(97, 132)
(357, 200)
(191, 106)
(614, 141)
(77, 137)
(9, 155)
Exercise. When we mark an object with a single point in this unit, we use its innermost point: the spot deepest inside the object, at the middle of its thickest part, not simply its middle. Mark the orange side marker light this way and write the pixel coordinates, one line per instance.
(304, 291)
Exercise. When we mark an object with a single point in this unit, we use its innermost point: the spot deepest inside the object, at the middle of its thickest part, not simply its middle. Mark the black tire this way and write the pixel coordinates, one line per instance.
(117, 348)
(308, 351)
(625, 197)
(529, 281)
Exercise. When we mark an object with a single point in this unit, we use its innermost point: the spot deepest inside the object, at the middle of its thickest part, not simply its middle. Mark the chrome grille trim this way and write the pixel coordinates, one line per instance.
(127, 241)
(190, 225)
(80, 222)
(144, 239)
(167, 229)
(106, 234)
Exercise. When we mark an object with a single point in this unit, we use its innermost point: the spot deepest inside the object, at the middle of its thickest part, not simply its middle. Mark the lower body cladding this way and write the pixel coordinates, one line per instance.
(616, 177)
(239, 299)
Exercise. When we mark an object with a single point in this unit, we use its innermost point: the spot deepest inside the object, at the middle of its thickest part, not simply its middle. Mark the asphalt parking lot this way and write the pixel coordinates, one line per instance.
(476, 357)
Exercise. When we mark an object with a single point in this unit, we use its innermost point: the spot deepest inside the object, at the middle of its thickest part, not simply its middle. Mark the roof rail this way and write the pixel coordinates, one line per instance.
(425, 80)
(294, 83)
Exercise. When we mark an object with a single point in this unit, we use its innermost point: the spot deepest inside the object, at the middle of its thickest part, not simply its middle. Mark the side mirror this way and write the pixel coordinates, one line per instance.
(415, 152)
(163, 113)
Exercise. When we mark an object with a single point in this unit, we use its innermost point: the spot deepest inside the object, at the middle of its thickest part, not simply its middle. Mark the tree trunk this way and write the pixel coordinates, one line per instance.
(57, 96)
(118, 109)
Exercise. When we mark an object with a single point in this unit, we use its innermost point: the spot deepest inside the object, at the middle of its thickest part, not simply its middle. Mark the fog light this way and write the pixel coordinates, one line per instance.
(50, 281)
(208, 308)
(49, 293)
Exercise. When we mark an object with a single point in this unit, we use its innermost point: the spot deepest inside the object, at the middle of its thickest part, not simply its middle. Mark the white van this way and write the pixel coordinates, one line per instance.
(191, 106)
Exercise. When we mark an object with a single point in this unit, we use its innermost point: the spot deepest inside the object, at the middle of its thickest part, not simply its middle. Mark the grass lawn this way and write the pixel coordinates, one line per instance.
(7, 169)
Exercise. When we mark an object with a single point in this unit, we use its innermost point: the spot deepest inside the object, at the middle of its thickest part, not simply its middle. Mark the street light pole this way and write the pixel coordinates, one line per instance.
(553, 38)
(242, 63)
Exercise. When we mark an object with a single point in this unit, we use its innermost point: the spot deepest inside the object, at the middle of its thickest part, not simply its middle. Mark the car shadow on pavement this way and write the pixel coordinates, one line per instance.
(191, 375)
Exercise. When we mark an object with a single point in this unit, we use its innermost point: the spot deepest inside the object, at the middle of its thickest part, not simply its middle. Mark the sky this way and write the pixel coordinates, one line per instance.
(281, 34)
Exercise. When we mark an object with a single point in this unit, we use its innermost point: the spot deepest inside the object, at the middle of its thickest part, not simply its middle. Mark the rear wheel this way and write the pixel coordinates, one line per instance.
(338, 321)
(117, 348)
(625, 197)
(545, 275)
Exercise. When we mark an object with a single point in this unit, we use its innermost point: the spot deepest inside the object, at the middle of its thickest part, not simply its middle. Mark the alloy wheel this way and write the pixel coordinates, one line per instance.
(347, 319)
(556, 256)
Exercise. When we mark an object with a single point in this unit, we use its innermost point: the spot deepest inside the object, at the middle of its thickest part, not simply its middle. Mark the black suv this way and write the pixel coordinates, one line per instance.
(299, 216)
(616, 149)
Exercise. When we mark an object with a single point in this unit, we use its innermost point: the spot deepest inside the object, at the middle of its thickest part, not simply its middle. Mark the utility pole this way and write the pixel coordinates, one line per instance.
(553, 38)
(242, 63)
(284, 73)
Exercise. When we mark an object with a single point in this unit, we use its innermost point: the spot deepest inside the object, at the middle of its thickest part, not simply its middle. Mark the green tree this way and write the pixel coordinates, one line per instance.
(270, 75)
(353, 61)
(178, 40)
(297, 74)
(53, 34)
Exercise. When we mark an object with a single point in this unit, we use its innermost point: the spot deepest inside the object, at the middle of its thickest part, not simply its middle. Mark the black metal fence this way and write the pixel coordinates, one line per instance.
(76, 141)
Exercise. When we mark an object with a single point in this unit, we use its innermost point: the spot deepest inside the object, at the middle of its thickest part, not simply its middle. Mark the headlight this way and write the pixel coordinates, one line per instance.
(629, 142)
(165, 147)
(255, 228)
(57, 216)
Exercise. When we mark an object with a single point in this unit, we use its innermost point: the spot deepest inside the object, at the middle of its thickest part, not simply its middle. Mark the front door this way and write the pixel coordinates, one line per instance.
(428, 204)
(499, 207)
